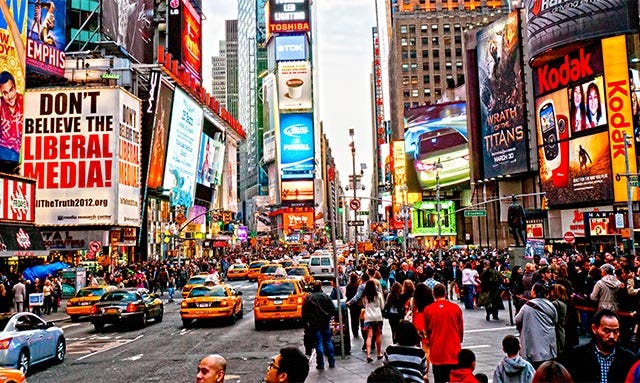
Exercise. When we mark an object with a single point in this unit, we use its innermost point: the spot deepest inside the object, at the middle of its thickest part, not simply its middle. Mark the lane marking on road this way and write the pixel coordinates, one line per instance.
(70, 325)
(133, 358)
(490, 329)
(111, 348)
(478, 346)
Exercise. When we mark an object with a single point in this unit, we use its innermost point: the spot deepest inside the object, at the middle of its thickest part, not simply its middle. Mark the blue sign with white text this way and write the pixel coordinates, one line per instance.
(291, 48)
(296, 145)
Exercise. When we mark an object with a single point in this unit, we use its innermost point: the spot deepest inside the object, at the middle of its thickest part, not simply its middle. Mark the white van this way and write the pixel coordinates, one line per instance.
(321, 265)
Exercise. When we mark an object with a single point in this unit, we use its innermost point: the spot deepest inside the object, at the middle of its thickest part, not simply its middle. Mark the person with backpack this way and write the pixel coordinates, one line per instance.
(317, 312)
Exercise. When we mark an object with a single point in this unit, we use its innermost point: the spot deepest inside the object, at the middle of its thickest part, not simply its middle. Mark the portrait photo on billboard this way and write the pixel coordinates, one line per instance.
(205, 161)
(296, 193)
(296, 145)
(502, 98)
(160, 136)
(586, 106)
(129, 23)
(46, 37)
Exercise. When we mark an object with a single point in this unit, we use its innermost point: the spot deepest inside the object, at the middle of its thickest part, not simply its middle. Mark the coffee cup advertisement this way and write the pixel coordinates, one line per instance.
(294, 85)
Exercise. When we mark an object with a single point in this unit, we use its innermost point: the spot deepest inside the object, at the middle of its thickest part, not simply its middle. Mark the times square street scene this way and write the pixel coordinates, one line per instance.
(319, 191)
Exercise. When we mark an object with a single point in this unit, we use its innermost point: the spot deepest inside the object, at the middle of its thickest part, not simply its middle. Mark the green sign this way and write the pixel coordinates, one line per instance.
(475, 213)
(363, 212)
(633, 181)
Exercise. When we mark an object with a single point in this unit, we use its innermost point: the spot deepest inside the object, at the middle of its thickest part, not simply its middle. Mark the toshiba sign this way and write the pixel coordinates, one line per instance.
(287, 16)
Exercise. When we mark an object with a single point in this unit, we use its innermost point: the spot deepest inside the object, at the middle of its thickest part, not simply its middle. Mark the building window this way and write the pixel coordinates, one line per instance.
(457, 27)
(413, 54)
(414, 67)
(415, 104)
(460, 79)
(435, 53)
(436, 65)
(425, 79)
(405, 80)
(407, 105)
(458, 52)
(405, 55)
(427, 92)
(459, 64)
(437, 92)
(447, 27)
(457, 39)
(435, 41)
(414, 93)
(414, 80)
(412, 29)
(425, 66)
(403, 29)
(448, 65)
(425, 53)
(405, 93)
(425, 41)
(434, 27)
(404, 42)
(405, 67)
(424, 28)
(412, 41)
(436, 79)
(447, 52)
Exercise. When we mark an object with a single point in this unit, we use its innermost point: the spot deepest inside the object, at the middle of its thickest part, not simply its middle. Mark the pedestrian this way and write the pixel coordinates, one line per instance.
(171, 286)
(605, 290)
(513, 368)
(386, 374)
(470, 279)
(289, 366)
(536, 322)
(422, 298)
(559, 298)
(19, 295)
(552, 372)
(47, 292)
(5, 300)
(489, 297)
(394, 309)
(373, 302)
(407, 354)
(463, 373)
(317, 312)
(445, 331)
(211, 369)
(354, 309)
(602, 359)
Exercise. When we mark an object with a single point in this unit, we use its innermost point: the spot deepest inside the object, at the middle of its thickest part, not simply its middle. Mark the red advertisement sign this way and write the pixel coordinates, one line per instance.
(185, 36)
(297, 221)
(17, 200)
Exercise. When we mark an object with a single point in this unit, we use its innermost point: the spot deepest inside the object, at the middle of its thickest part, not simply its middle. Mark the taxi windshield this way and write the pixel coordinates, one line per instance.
(275, 289)
(239, 267)
(196, 281)
(208, 292)
(269, 269)
(123, 296)
(298, 271)
(89, 293)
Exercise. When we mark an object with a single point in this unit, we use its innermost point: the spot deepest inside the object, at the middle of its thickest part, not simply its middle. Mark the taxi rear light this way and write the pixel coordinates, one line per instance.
(132, 307)
(71, 303)
(224, 303)
(300, 300)
(94, 309)
(184, 304)
(256, 303)
(5, 343)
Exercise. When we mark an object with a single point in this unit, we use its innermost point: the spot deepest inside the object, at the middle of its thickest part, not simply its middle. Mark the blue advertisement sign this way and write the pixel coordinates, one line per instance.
(46, 37)
(291, 48)
(296, 145)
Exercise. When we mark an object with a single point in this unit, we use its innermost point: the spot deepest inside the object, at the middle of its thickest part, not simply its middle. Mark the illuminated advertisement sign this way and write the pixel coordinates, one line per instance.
(437, 134)
(425, 218)
(296, 193)
(12, 54)
(573, 219)
(230, 198)
(289, 48)
(185, 36)
(205, 171)
(296, 145)
(83, 147)
(599, 223)
(270, 117)
(17, 200)
(381, 130)
(162, 113)
(130, 24)
(502, 98)
(297, 221)
(46, 37)
(535, 228)
(287, 16)
(551, 24)
(294, 85)
(182, 149)
(399, 170)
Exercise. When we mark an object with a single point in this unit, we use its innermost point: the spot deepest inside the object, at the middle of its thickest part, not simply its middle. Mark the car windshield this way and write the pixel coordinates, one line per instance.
(120, 296)
(432, 144)
(268, 269)
(298, 271)
(217, 291)
(89, 293)
(196, 280)
(275, 289)
(239, 267)
(256, 265)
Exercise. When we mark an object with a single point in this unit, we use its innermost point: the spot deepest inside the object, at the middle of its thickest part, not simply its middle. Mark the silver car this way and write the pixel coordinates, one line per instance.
(26, 339)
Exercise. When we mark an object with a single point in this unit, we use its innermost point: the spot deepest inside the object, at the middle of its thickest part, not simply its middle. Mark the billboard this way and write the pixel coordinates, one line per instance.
(205, 171)
(296, 221)
(182, 149)
(46, 37)
(82, 145)
(291, 48)
(17, 200)
(270, 117)
(296, 146)
(425, 219)
(231, 176)
(296, 193)
(12, 79)
(158, 154)
(436, 134)
(287, 16)
(129, 23)
(185, 36)
(294, 85)
(551, 24)
(502, 98)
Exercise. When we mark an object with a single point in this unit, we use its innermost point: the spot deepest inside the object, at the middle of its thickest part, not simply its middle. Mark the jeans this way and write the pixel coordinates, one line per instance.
(468, 296)
(324, 344)
(172, 290)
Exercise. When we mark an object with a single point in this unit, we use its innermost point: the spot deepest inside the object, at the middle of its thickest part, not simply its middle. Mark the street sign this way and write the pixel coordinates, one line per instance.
(363, 212)
(355, 223)
(619, 221)
(354, 204)
(569, 237)
(475, 213)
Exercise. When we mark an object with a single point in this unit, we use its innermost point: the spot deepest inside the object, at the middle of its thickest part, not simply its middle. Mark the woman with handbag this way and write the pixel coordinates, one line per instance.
(373, 303)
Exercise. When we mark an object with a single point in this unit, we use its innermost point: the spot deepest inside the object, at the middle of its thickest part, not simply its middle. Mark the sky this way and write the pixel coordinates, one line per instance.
(345, 58)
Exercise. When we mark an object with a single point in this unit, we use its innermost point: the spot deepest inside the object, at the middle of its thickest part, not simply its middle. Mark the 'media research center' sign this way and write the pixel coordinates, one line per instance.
(287, 16)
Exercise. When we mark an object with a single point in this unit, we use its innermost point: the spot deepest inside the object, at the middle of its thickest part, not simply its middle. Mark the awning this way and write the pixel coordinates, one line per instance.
(20, 241)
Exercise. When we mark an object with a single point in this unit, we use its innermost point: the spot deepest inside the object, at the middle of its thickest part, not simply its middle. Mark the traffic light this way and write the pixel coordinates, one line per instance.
(545, 203)
(340, 206)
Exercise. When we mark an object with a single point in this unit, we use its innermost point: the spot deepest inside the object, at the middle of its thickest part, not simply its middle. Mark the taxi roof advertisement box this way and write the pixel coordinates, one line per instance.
(84, 151)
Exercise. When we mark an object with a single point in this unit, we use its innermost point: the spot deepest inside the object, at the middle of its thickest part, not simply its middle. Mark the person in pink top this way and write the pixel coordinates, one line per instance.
(444, 329)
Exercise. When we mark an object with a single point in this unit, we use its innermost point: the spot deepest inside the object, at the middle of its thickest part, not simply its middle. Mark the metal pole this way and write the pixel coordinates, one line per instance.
(629, 196)
(353, 184)
(438, 208)
(404, 231)
(333, 209)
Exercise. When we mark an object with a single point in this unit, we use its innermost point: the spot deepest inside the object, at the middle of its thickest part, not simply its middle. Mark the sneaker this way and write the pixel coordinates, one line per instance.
(320, 368)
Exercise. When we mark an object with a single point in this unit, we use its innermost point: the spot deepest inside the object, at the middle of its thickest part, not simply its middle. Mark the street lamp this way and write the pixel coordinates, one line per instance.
(438, 168)
(404, 215)
(353, 186)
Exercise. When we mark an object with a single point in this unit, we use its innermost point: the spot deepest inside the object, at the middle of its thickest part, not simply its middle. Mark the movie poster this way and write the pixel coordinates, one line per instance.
(46, 37)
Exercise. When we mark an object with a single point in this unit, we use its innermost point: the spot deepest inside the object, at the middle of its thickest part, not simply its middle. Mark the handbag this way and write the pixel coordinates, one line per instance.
(408, 316)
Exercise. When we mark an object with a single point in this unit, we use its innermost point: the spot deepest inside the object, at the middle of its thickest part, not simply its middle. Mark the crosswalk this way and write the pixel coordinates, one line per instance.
(95, 344)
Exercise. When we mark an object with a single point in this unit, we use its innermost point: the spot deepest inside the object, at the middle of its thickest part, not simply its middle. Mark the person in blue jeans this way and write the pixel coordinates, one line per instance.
(317, 312)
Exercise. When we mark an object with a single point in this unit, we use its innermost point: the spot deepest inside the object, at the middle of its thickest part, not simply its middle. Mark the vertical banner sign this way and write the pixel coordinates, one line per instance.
(13, 21)
(616, 74)
(232, 176)
(294, 85)
(74, 141)
(296, 145)
(399, 164)
(185, 35)
(46, 37)
(17, 200)
(162, 113)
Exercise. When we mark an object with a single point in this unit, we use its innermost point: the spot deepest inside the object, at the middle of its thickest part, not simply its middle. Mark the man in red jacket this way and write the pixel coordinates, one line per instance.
(445, 330)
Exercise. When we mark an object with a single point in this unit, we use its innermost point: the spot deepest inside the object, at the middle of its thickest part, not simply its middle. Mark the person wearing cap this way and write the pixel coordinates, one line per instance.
(604, 291)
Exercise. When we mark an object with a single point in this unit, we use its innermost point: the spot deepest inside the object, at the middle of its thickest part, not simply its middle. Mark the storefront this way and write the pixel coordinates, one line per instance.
(21, 246)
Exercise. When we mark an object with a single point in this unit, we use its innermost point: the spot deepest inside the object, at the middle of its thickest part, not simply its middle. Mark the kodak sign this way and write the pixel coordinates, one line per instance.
(616, 74)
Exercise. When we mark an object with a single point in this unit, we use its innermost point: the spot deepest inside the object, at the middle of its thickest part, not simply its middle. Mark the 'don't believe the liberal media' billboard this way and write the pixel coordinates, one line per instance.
(296, 154)
(83, 148)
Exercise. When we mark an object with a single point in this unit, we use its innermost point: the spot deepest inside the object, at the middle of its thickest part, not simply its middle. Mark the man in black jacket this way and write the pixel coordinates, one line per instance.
(317, 311)
(602, 359)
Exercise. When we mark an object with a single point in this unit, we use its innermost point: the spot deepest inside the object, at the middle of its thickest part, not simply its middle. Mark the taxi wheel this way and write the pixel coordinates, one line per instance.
(232, 319)
(241, 312)
(186, 323)
(159, 317)
(98, 326)
(259, 325)
(74, 318)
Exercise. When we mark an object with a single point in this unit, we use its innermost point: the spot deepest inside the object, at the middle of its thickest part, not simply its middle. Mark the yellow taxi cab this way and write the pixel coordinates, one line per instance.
(276, 300)
(212, 302)
(269, 271)
(192, 282)
(300, 272)
(237, 271)
(254, 269)
(10, 375)
(83, 299)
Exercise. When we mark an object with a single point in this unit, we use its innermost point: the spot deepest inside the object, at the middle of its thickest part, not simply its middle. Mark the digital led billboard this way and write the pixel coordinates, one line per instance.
(296, 146)
(291, 48)
(296, 193)
(158, 154)
(294, 85)
(185, 36)
(287, 16)
(130, 24)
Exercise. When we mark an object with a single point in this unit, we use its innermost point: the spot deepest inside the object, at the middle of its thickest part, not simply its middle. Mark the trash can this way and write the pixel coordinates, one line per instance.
(335, 330)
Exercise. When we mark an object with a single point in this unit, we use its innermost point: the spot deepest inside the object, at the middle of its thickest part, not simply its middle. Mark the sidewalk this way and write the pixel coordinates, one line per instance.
(484, 338)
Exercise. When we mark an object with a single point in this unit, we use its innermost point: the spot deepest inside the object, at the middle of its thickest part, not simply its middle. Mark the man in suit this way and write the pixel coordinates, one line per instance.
(19, 293)
(453, 276)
